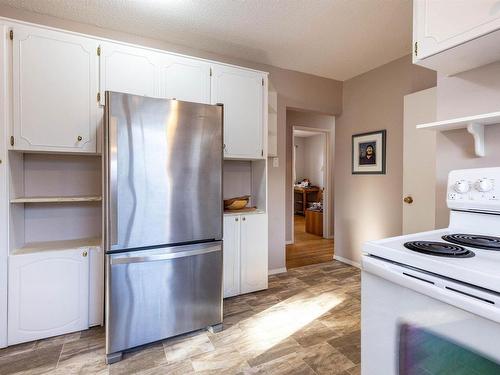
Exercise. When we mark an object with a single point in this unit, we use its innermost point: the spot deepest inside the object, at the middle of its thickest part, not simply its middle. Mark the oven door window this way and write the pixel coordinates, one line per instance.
(422, 352)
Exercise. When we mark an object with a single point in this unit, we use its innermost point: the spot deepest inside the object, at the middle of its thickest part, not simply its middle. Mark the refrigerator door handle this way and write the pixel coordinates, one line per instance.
(166, 256)
(113, 183)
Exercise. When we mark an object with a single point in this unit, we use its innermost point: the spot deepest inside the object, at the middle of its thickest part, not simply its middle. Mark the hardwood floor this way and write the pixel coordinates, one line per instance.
(308, 248)
(306, 323)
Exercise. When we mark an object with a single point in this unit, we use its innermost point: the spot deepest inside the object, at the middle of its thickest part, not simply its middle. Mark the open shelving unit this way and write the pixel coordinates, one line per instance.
(55, 202)
(95, 198)
(474, 125)
(246, 177)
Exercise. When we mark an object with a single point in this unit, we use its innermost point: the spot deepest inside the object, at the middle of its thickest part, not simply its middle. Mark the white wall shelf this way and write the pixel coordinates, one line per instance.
(474, 125)
(33, 247)
(56, 199)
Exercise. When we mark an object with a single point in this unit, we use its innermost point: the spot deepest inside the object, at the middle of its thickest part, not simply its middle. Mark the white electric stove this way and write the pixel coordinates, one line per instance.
(431, 300)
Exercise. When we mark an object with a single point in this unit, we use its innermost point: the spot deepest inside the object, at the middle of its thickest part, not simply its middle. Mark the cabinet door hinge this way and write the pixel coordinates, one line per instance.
(416, 48)
(262, 152)
(12, 140)
(11, 34)
(262, 81)
(98, 96)
(99, 51)
(210, 72)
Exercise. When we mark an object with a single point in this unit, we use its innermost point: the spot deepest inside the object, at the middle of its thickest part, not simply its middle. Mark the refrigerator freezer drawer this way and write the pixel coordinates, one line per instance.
(159, 293)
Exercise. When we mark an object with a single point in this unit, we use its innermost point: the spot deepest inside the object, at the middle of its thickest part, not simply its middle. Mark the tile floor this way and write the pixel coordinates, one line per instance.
(307, 322)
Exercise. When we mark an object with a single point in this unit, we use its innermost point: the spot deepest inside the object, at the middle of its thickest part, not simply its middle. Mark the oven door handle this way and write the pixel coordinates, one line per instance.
(470, 299)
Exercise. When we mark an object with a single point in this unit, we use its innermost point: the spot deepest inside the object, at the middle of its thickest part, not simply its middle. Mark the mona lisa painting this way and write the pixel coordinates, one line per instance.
(368, 153)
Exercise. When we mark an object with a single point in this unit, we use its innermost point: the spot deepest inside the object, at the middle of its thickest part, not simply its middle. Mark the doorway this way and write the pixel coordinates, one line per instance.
(310, 209)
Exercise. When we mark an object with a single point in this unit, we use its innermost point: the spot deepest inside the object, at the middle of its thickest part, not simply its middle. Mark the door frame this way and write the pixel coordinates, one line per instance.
(326, 177)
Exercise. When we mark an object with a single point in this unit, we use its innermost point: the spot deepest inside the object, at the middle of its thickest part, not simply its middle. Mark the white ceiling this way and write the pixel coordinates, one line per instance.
(331, 38)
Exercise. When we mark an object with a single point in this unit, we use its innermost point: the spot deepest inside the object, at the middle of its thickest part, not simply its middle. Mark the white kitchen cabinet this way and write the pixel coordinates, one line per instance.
(242, 93)
(96, 286)
(231, 256)
(253, 253)
(54, 90)
(184, 79)
(128, 69)
(48, 294)
(454, 36)
(245, 253)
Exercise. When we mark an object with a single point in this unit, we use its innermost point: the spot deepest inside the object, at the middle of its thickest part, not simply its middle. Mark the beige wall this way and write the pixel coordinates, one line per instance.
(469, 93)
(294, 89)
(369, 207)
(310, 120)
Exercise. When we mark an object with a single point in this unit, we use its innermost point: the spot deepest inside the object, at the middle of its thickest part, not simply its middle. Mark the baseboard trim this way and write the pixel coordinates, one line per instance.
(276, 271)
(347, 261)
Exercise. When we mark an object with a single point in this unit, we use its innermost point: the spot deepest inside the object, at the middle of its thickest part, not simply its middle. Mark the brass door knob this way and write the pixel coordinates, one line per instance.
(84, 254)
(79, 138)
(408, 199)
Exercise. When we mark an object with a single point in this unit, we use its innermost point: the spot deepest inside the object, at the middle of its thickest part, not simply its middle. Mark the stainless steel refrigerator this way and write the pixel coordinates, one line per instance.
(162, 219)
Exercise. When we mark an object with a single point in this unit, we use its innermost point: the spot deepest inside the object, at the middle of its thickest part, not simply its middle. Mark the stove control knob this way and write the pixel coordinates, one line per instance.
(462, 187)
(484, 185)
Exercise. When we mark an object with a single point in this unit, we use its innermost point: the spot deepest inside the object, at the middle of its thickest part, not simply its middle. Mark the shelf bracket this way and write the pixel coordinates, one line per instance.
(477, 131)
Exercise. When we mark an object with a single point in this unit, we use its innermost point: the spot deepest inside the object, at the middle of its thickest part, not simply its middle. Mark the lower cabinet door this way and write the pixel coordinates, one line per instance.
(253, 253)
(48, 294)
(231, 256)
(96, 286)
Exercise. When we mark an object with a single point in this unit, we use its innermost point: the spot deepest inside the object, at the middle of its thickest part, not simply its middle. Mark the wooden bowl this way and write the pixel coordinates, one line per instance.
(236, 203)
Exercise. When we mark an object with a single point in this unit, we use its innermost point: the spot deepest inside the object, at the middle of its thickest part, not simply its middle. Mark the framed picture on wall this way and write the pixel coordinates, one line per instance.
(368, 153)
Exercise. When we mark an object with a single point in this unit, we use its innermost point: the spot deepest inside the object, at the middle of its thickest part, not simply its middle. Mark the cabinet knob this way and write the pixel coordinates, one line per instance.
(84, 254)
(235, 219)
(408, 199)
(243, 218)
(79, 138)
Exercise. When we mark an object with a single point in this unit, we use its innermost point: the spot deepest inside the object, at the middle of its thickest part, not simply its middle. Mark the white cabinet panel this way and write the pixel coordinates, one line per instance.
(231, 256)
(129, 70)
(96, 286)
(4, 229)
(253, 253)
(241, 92)
(48, 294)
(54, 91)
(185, 79)
(442, 24)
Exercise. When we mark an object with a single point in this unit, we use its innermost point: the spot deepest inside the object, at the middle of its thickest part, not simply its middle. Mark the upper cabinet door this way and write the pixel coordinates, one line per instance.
(253, 241)
(54, 91)
(184, 79)
(441, 24)
(242, 93)
(129, 70)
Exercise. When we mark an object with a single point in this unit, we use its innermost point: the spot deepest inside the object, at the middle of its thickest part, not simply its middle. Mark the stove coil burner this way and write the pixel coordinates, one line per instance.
(476, 241)
(440, 249)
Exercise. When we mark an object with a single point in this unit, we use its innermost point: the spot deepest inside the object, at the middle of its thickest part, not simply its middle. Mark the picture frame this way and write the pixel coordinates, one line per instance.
(369, 152)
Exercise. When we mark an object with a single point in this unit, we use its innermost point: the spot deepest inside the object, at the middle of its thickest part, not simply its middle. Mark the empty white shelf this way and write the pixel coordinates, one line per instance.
(34, 247)
(92, 198)
(474, 125)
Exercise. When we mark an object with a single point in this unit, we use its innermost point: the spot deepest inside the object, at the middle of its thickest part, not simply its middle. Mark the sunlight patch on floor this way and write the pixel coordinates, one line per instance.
(282, 320)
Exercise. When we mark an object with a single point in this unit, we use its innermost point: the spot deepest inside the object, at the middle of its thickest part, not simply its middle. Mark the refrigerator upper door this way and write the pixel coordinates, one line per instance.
(163, 171)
